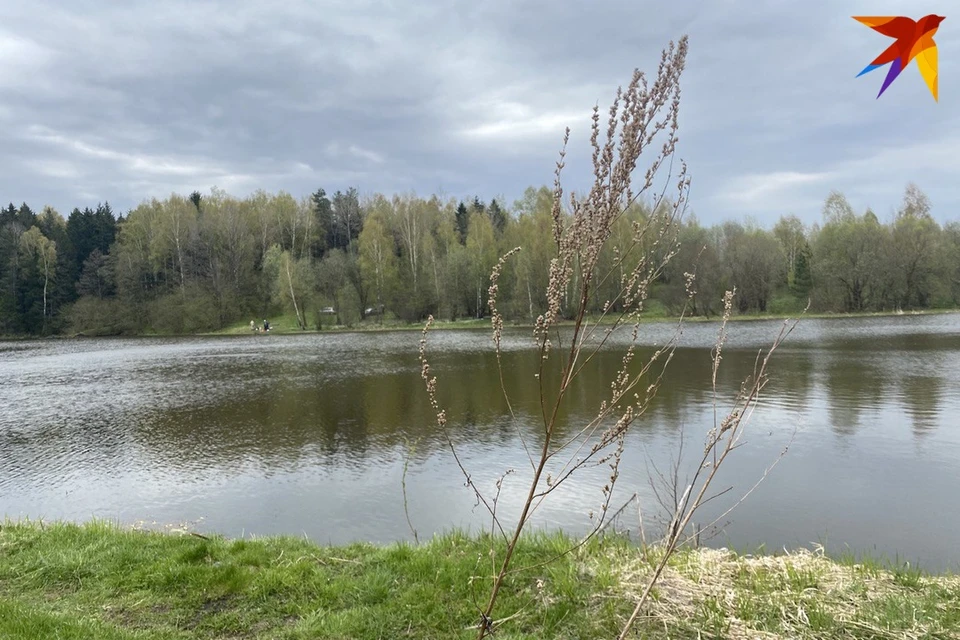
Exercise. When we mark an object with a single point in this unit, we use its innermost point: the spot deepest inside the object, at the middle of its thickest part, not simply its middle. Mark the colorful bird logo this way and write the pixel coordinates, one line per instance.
(914, 40)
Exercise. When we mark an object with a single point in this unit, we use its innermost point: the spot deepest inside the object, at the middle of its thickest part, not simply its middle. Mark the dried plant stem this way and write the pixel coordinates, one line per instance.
(403, 483)
(639, 114)
(617, 513)
(579, 244)
(720, 442)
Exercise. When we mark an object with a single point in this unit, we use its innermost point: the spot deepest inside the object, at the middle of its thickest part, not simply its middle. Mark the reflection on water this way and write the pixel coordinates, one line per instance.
(307, 434)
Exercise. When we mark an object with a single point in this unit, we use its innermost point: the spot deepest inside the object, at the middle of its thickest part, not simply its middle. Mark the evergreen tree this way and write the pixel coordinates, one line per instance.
(96, 279)
(105, 227)
(347, 219)
(802, 276)
(497, 217)
(26, 216)
(463, 222)
(8, 214)
(478, 206)
(10, 232)
(323, 211)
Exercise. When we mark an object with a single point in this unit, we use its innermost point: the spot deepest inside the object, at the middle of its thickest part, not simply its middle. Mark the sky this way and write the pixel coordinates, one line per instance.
(125, 101)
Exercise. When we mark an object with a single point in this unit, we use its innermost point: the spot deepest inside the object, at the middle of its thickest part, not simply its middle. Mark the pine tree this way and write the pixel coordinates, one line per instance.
(26, 216)
(802, 277)
(497, 217)
(478, 206)
(463, 222)
(323, 210)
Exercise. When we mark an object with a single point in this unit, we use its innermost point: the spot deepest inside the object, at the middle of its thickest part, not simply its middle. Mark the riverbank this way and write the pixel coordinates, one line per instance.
(287, 324)
(100, 581)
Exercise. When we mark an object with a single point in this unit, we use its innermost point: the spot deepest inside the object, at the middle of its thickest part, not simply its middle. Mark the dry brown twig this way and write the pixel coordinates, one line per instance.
(721, 440)
(403, 486)
(638, 116)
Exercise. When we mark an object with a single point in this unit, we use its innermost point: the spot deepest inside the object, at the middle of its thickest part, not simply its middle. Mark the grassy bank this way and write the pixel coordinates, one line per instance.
(287, 324)
(98, 581)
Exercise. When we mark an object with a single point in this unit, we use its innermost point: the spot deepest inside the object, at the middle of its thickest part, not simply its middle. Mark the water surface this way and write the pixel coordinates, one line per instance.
(308, 434)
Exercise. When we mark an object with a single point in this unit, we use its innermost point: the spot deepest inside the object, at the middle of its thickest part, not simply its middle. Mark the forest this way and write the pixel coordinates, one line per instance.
(202, 262)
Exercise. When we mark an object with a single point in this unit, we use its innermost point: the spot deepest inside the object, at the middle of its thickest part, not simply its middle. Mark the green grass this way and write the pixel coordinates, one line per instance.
(655, 313)
(97, 580)
(287, 324)
(100, 581)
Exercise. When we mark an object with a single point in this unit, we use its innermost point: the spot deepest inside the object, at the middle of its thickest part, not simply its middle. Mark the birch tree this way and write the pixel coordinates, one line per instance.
(378, 263)
(37, 247)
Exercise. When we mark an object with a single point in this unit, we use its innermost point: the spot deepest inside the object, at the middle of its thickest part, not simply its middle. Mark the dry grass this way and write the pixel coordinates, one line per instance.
(802, 594)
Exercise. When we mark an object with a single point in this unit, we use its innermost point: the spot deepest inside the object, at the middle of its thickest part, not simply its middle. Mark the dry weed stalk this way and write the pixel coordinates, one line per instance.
(403, 487)
(721, 440)
(637, 117)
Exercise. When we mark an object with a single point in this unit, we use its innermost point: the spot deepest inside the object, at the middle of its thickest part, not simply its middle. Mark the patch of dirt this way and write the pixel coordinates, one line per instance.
(210, 606)
(128, 618)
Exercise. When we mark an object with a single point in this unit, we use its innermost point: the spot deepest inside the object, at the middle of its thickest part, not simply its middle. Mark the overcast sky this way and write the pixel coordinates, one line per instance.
(122, 101)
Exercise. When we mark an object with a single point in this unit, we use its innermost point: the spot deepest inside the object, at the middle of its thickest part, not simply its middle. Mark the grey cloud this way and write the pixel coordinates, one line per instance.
(130, 100)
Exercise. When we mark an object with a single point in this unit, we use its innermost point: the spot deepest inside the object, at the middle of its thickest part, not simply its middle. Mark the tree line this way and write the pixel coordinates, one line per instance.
(195, 263)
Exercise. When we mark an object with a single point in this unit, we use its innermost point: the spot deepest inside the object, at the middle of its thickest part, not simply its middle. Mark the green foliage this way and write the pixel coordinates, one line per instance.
(38, 261)
(697, 254)
(377, 260)
(802, 280)
(89, 230)
(463, 222)
(482, 254)
(294, 282)
(850, 262)
(497, 217)
(346, 219)
(756, 265)
(95, 316)
(786, 304)
(206, 262)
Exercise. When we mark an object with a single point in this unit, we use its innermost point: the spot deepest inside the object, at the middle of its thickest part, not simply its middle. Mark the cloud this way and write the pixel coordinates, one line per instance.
(510, 121)
(760, 189)
(21, 58)
(60, 169)
(125, 101)
(339, 151)
(124, 161)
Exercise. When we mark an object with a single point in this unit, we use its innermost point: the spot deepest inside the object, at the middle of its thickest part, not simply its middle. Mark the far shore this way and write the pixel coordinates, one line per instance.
(287, 325)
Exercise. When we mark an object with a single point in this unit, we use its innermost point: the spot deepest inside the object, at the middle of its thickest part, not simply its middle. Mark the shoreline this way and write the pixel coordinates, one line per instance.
(286, 325)
(474, 324)
(101, 580)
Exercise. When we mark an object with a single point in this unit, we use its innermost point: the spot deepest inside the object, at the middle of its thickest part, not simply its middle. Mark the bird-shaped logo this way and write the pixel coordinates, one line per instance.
(914, 40)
